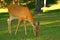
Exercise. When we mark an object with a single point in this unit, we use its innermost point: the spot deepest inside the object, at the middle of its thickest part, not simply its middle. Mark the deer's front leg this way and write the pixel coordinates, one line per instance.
(9, 25)
(25, 27)
(35, 28)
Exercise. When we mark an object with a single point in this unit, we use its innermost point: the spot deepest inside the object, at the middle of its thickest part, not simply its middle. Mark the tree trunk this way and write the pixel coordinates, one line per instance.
(38, 5)
(44, 3)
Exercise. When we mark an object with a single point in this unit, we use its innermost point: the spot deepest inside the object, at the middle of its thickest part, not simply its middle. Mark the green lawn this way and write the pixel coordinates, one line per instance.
(49, 28)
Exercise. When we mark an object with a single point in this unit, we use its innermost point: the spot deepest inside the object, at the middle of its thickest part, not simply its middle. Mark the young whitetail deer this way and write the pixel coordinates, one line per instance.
(21, 13)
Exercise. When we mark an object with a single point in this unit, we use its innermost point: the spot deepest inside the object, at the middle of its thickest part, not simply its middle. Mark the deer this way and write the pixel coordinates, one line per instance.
(20, 13)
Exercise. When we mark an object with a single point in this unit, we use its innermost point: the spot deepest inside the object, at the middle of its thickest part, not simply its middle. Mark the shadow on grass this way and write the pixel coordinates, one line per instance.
(3, 15)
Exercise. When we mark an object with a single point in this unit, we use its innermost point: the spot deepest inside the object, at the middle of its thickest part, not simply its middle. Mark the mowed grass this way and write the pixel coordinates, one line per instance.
(49, 28)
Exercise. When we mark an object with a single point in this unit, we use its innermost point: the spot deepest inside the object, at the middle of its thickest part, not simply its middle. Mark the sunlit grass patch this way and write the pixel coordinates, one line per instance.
(3, 10)
(52, 7)
(49, 22)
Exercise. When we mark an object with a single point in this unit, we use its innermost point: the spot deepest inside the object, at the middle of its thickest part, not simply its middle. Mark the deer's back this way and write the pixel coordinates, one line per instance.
(18, 11)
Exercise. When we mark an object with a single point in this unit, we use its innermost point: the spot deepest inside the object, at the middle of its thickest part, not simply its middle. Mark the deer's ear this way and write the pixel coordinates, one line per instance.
(38, 23)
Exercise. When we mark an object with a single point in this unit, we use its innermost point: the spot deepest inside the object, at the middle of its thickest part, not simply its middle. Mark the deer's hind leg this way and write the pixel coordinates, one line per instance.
(9, 23)
(25, 27)
(19, 20)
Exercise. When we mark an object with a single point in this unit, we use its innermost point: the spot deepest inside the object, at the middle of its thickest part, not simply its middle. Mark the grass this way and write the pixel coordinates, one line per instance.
(49, 28)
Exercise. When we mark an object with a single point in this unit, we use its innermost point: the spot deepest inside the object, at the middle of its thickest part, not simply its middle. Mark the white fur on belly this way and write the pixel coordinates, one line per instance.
(12, 18)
